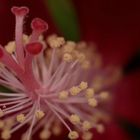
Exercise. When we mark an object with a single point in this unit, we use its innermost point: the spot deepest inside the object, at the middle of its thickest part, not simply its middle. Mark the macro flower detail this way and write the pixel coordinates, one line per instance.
(51, 82)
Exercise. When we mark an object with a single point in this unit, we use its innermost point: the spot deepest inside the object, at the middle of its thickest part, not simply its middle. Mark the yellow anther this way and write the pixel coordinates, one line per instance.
(39, 114)
(56, 130)
(92, 102)
(74, 119)
(25, 38)
(63, 95)
(1, 113)
(87, 136)
(75, 90)
(21, 118)
(1, 124)
(60, 41)
(85, 64)
(9, 123)
(86, 125)
(81, 57)
(83, 85)
(45, 134)
(69, 47)
(104, 95)
(67, 57)
(89, 93)
(71, 43)
(100, 128)
(73, 135)
(5, 134)
(10, 47)
(55, 41)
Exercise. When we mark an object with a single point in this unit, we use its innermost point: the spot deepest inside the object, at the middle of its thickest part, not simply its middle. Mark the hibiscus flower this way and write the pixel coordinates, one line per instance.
(111, 37)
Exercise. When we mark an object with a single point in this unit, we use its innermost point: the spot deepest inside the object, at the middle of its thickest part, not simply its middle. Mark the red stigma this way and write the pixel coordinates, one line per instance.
(20, 11)
(34, 48)
(39, 25)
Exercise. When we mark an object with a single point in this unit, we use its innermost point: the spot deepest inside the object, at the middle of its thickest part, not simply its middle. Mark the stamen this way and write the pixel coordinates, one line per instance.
(45, 134)
(67, 57)
(55, 42)
(10, 47)
(39, 114)
(63, 95)
(104, 95)
(75, 90)
(81, 57)
(74, 119)
(7, 60)
(83, 85)
(89, 93)
(92, 102)
(5, 134)
(73, 135)
(20, 118)
(69, 47)
(86, 125)
(87, 136)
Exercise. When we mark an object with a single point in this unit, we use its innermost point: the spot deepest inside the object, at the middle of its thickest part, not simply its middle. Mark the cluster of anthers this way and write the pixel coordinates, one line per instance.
(51, 82)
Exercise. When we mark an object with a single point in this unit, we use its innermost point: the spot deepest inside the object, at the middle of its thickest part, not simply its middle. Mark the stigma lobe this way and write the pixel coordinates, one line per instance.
(34, 48)
(39, 25)
(20, 11)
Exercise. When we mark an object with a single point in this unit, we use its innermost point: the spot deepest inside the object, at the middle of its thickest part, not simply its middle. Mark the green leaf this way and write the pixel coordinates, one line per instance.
(64, 16)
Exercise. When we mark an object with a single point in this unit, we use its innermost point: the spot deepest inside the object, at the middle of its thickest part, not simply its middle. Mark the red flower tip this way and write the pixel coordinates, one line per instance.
(1, 53)
(39, 25)
(20, 11)
(34, 48)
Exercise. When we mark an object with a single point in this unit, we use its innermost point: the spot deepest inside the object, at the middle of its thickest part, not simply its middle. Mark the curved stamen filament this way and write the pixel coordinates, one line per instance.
(17, 109)
(47, 118)
(17, 105)
(61, 119)
(28, 118)
(11, 99)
